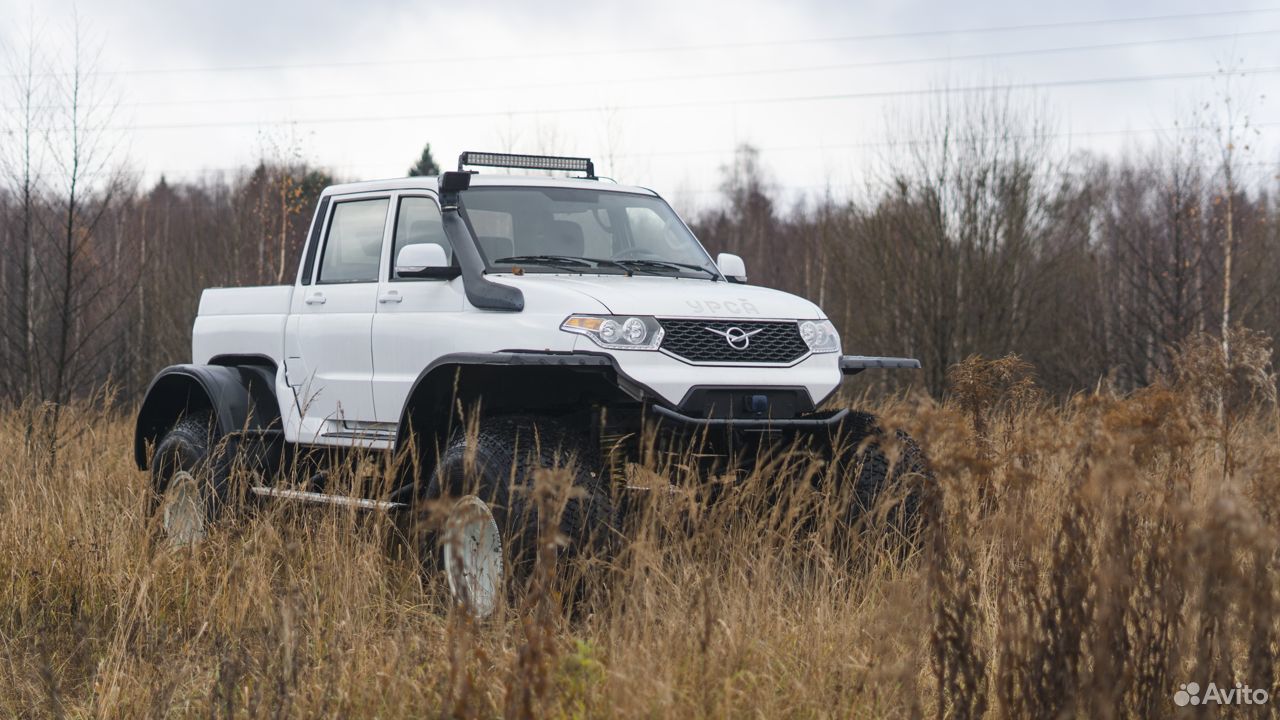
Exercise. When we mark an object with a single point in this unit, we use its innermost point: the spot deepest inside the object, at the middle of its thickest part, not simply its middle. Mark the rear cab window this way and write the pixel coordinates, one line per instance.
(353, 247)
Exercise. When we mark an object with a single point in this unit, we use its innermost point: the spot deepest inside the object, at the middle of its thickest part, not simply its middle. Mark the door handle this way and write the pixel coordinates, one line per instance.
(317, 299)
(391, 297)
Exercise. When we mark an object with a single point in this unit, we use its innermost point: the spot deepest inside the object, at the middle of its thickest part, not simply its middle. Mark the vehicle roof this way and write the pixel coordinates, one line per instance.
(430, 182)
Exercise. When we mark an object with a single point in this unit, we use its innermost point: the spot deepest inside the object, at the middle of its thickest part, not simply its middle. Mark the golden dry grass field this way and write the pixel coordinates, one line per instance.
(1083, 558)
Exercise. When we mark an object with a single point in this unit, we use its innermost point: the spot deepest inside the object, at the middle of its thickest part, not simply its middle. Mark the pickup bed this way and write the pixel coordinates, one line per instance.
(575, 317)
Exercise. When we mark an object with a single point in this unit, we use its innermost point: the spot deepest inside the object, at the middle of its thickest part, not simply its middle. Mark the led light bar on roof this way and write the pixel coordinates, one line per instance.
(528, 162)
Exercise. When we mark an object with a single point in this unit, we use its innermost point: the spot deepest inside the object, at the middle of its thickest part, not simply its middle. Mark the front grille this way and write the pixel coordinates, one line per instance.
(703, 341)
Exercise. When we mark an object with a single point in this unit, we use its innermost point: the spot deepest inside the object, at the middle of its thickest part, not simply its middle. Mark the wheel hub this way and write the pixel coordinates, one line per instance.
(472, 549)
(184, 512)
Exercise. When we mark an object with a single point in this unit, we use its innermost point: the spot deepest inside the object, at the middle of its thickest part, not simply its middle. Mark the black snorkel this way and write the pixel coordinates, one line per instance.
(481, 292)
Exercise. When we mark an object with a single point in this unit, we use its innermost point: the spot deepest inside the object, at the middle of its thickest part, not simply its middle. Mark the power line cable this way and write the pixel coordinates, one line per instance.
(881, 94)
(1177, 129)
(710, 75)
(728, 152)
(1024, 27)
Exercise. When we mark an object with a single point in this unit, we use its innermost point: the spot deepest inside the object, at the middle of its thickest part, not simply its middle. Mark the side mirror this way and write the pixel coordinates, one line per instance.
(732, 267)
(424, 260)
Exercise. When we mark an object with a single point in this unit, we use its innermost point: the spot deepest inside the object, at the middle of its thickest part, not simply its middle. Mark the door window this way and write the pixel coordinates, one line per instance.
(354, 245)
(417, 222)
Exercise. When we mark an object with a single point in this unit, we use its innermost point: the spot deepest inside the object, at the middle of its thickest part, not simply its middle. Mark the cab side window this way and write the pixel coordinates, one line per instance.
(353, 248)
(417, 222)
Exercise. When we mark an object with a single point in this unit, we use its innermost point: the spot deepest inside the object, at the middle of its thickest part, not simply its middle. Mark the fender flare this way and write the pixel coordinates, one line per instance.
(435, 392)
(241, 397)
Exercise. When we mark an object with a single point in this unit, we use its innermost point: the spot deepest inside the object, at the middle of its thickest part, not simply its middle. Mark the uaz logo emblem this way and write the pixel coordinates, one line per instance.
(737, 338)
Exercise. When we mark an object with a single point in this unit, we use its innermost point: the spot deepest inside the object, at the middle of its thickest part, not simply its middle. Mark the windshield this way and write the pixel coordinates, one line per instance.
(582, 230)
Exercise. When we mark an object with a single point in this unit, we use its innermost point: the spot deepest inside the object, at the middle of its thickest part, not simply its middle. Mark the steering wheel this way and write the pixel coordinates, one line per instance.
(636, 254)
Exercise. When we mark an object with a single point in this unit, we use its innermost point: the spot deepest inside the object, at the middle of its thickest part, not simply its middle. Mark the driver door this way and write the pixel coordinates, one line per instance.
(417, 319)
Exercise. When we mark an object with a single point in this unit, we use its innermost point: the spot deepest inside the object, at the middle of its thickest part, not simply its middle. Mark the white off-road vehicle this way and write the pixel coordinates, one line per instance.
(478, 327)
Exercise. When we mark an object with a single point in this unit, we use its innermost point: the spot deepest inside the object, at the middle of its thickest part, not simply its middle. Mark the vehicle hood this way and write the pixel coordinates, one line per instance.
(668, 296)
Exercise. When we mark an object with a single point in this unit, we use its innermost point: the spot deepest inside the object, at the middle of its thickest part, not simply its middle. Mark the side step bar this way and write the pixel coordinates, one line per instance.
(315, 497)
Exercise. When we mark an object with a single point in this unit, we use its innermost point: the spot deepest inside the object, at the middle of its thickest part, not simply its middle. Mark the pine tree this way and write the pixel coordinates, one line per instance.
(426, 164)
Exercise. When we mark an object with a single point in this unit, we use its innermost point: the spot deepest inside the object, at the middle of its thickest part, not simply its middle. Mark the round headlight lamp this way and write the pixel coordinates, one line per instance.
(820, 336)
(617, 332)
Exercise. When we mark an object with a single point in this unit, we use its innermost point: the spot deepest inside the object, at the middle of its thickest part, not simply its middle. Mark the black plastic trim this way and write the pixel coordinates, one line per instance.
(854, 364)
(537, 358)
(808, 423)
(629, 385)
(481, 292)
(313, 242)
(540, 358)
(235, 360)
(430, 391)
(530, 358)
(240, 397)
(698, 398)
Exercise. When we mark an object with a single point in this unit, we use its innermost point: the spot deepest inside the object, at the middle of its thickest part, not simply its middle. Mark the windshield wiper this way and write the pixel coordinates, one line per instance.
(563, 262)
(668, 264)
(577, 263)
(626, 266)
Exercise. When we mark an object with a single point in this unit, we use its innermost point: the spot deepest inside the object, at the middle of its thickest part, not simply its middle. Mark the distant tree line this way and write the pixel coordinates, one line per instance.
(975, 238)
(99, 277)
(981, 241)
(125, 289)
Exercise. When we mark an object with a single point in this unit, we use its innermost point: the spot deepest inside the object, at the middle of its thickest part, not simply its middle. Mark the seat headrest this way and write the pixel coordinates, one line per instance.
(370, 244)
(563, 237)
(426, 231)
(495, 246)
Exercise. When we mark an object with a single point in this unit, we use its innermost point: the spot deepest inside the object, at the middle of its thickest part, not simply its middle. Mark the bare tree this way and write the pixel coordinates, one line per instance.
(1155, 256)
(1230, 130)
(22, 169)
(750, 216)
(959, 256)
(280, 201)
(84, 296)
(613, 139)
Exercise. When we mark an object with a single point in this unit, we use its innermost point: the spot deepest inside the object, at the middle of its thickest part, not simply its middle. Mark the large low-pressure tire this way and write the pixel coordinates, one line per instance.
(885, 498)
(190, 474)
(489, 539)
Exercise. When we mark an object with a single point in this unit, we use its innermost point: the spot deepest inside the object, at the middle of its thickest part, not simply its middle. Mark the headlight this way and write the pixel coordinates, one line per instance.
(820, 336)
(617, 332)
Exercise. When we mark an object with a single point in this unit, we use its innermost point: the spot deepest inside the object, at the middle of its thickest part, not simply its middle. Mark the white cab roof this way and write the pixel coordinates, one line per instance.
(429, 182)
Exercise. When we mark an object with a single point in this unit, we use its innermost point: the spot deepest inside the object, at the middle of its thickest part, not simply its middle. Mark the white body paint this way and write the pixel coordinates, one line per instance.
(348, 354)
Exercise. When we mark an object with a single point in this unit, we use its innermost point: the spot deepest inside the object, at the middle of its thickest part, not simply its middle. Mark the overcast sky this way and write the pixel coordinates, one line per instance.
(659, 92)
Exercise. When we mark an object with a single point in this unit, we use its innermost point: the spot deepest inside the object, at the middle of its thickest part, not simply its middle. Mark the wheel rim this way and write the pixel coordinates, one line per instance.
(184, 512)
(473, 556)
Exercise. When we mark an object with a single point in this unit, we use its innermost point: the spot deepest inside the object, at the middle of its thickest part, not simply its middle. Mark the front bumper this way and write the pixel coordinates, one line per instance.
(670, 380)
(716, 444)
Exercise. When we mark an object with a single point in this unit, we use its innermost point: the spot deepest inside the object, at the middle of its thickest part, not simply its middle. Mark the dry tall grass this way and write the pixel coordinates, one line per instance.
(1082, 560)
